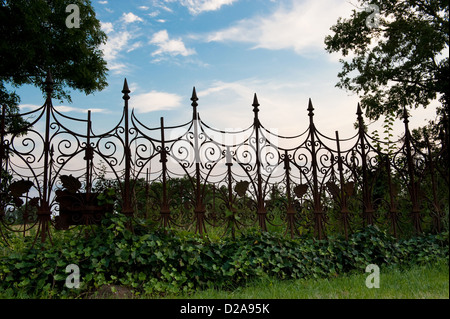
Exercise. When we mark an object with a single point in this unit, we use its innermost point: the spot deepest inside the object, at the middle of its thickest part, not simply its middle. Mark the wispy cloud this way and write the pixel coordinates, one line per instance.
(168, 46)
(107, 27)
(131, 17)
(63, 108)
(116, 43)
(199, 6)
(154, 14)
(195, 7)
(300, 26)
(122, 38)
(155, 101)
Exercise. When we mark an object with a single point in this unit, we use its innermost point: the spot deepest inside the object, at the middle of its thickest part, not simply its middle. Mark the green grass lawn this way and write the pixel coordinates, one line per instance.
(418, 282)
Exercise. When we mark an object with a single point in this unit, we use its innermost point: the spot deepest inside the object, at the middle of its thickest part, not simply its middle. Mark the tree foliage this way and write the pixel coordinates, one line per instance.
(396, 60)
(36, 40)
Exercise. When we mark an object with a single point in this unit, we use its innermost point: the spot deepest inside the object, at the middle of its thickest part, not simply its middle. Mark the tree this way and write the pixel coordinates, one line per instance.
(36, 39)
(394, 54)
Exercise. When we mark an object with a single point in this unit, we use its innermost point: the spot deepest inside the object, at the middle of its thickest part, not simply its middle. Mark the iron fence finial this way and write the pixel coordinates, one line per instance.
(360, 117)
(311, 113)
(310, 108)
(359, 112)
(126, 91)
(194, 98)
(405, 115)
(255, 104)
(49, 83)
(194, 104)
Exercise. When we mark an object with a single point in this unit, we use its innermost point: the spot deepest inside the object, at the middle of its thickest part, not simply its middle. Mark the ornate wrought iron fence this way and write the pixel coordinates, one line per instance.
(196, 180)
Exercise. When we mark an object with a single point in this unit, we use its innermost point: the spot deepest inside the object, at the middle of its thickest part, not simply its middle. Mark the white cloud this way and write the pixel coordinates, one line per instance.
(117, 68)
(130, 18)
(154, 14)
(300, 26)
(161, 5)
(107, 27)
(63, 108)
(134, 46)
(103, 2)
(199, 6)
(169, 46)
(195, 7)
(116, 43)
(123, 38)
(155, 101)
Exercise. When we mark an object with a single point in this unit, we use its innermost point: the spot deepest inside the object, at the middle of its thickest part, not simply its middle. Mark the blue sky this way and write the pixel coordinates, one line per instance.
(228, 50)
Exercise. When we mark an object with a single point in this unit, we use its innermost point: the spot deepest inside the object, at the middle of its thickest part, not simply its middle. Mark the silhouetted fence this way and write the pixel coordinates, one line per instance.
(196, 177)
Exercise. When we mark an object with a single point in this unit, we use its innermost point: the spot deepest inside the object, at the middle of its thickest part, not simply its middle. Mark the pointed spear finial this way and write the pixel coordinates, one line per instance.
(359, 111)
(310, 108)
(126, 91)
(194, 104)
(311, 113)
(255, 104)
(405, 115)
(194, 98)
(49, 83)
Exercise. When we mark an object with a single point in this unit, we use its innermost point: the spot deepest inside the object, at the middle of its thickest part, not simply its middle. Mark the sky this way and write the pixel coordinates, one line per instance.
(228, 50)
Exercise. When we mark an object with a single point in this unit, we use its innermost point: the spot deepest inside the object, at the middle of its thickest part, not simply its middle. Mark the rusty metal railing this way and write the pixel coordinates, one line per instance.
(201, 179)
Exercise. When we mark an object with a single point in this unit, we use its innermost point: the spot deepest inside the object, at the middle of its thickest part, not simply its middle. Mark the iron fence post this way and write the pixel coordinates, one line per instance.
(392, 205)
(88, 157)
(164, 210)
(261, 209)
(413, 191)
(290, 210)
(437, 213)
(199, 209)
(127, 209)
(44, 214)
(367, 202)
(232, 217)
(343, 202)
(317, 206)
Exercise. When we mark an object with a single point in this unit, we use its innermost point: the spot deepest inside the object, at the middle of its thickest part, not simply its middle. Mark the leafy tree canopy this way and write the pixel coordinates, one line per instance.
(35, 39)
(395, 54)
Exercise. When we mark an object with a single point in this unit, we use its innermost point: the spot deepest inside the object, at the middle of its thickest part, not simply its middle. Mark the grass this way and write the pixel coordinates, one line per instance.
(417, 282)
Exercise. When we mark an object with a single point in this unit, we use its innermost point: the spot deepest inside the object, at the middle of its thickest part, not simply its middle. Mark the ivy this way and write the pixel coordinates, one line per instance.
(155, 263)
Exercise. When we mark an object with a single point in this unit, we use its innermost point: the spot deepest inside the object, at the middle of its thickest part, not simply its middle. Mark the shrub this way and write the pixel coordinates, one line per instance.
(154, 263)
